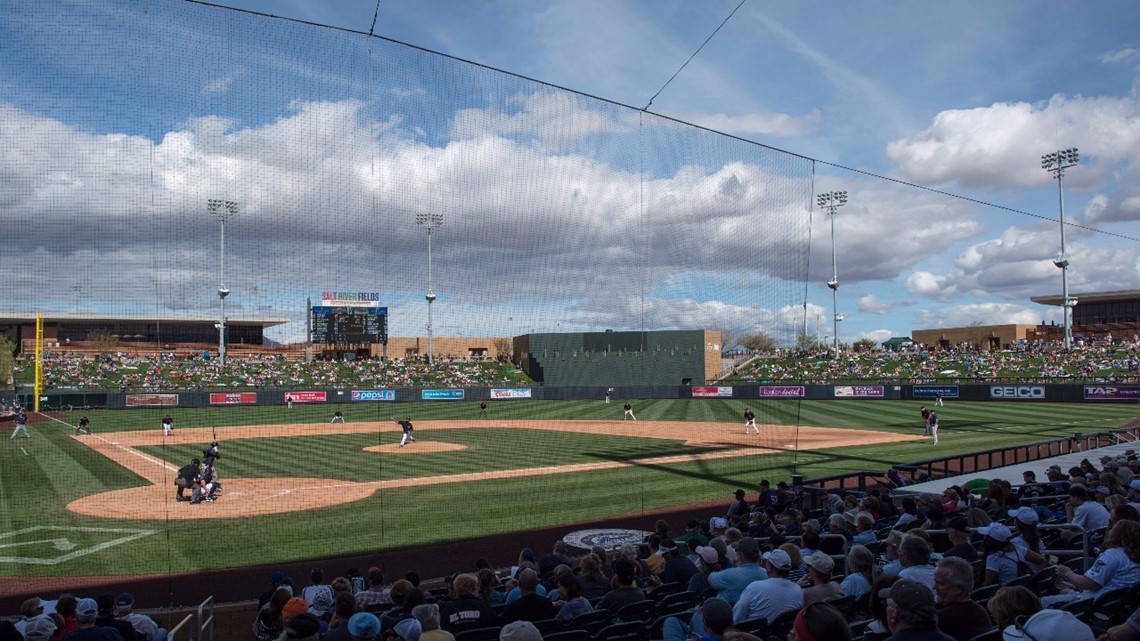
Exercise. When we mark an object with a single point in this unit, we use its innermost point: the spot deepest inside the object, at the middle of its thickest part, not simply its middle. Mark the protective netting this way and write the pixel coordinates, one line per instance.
(559, 213)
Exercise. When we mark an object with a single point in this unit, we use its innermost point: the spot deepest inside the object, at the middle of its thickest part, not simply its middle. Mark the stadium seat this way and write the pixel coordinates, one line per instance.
(591, 622)
(568, 635)
(1042, 582)
(676, 602)
(640, 611)
(782, 624)
(546, 626)
(479, 634)
(993, 634)
(1109, 609)
(626, 631)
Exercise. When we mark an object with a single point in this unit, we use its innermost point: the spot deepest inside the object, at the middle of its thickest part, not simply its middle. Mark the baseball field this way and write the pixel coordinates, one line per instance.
(296, 486)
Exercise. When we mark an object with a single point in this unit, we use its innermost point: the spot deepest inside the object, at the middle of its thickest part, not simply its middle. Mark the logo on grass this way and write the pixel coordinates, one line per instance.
(52, 544)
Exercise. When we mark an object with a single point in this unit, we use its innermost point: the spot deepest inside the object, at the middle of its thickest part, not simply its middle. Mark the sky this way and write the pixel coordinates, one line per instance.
(118, 119)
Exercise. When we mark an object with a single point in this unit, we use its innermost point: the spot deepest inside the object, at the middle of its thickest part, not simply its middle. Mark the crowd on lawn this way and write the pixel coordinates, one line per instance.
(134, 372)
(1026, 361)
(784, 563)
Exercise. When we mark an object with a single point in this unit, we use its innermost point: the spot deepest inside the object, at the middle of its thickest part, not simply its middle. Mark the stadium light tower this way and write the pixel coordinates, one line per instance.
(831, 202)
(1057, 162)
(430, 222)
(223, 209)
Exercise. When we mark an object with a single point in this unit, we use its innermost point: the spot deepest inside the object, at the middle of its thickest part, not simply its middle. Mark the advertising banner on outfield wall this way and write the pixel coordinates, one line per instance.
(782, 391)
(711, 391)
(858, 391)
(511, 393)
(236, 398)
(150, 400)
(932, 391)
(1018, 392)
(441, 394)
(306, 397)
(374, 395)
(1111, 392)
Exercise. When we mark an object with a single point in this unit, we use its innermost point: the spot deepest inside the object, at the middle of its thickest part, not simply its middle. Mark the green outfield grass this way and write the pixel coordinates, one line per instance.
(38, 476)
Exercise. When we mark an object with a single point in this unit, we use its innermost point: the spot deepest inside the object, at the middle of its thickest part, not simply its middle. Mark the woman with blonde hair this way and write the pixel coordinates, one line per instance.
(1011, 602)
(1118, 565)
(592, 580)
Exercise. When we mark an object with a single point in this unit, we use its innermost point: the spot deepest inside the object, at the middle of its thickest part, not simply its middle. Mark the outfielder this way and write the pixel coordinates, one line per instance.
(21, 425)
(407, 425)
(750, 420)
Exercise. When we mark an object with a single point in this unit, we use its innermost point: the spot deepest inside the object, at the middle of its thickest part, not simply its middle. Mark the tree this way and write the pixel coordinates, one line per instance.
(103, 340)
(863, 345)
(759, 342)
(7, 359)
(504, 349)
(810, 343)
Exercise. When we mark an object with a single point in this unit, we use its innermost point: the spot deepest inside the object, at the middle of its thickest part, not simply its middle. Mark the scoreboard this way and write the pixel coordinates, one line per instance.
(350, 325)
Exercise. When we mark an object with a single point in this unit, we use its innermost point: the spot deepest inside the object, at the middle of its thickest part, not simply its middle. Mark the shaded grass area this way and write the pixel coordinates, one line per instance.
(35, 487)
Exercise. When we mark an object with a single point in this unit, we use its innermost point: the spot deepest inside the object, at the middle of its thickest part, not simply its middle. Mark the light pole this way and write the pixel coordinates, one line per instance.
(430, 222)
(223, 209)
(832, 201)
(1057, 162)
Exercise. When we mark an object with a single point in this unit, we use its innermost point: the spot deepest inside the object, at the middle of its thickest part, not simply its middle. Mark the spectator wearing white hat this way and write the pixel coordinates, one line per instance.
(145, 627)
(817, 583)
(1001, 560)
(1028, 542)
(771, 597)
(86, 611)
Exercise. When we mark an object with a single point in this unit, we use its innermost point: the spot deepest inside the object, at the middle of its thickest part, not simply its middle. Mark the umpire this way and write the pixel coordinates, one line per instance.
(189, 476)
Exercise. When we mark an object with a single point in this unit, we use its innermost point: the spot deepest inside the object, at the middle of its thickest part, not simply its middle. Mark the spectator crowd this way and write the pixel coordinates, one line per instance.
(986, 560)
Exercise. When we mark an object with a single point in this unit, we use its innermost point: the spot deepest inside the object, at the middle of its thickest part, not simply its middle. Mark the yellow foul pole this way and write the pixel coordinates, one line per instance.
(39, 362)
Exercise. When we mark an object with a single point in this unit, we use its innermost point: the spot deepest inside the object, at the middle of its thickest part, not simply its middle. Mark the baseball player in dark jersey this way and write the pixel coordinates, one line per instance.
(406, 424)
(189, 476)
(925, 420)
(750, 420)
(84, 426)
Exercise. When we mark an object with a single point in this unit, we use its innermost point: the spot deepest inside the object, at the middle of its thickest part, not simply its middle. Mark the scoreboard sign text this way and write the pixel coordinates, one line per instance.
(236, 398)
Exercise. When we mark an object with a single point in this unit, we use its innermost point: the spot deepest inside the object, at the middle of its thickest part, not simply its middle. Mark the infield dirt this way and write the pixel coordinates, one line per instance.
(244, 497)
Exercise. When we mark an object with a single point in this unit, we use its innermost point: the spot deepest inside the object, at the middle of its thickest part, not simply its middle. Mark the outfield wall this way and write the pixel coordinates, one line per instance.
(1014, 392)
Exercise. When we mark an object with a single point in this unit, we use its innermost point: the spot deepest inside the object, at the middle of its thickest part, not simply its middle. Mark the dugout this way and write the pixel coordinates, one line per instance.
(617, 359)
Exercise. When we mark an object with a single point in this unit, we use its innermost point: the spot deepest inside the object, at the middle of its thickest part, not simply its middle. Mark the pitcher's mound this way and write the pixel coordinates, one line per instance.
(419, 447)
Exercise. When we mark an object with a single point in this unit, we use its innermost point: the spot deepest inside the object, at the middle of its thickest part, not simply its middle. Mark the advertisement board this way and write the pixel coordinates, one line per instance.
(233, 398)
(1111, 392)
(306, 397)
(150, 400)
(441, 394)
(373, 395)
(932, 391)
(711, 391)
(523, 392)
(858, 391)
(1018, 392)
(782, 391)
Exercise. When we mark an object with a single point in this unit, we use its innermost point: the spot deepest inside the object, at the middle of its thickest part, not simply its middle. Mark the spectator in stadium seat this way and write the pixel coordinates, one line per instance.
(318, 595)
(676, 568)
(275, 581)
(914, 555)
(771, 597)
(1027, 542)
(819, 621)
(957, 530)
(571, 603)
(715, 615)
(394, 615)
(731, 582)
(520, 631)
(556, 558)
(465, 610)
(1117, 566)
(818, 585)
(106, 618)
(86, 611)
(909, 517)
(912, 614)
(145, 627)
(1001, 558)
(1011, 603)
(344, 606)
(530, 606)
(878, 629)
(625, 588)
(364, 626)
(428, 616)
(891, 552)
(1082, 511)
(592, 579)
(487, 584)
(693, 535)
(65, 608)
(267, 625)
(958, 615)
(376, 593)
(860, 567)
(864, 530)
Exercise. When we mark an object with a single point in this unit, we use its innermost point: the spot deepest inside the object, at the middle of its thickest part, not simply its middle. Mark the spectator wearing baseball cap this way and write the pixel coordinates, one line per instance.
(1083, 511)
(1001, 559)
(145, 627)
(364, 626)
(1027, 541)
(708, 561)
(771, 597)
(677, 567)
(693, 534)
(958, 531)
(105, 604)
(912, 614)
(817, 583)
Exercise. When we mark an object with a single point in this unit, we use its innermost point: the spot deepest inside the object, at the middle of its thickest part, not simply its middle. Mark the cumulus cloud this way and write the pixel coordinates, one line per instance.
(986, 146)
(1123, 54)
(769, 124)
(870, 304)
(982, 314)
